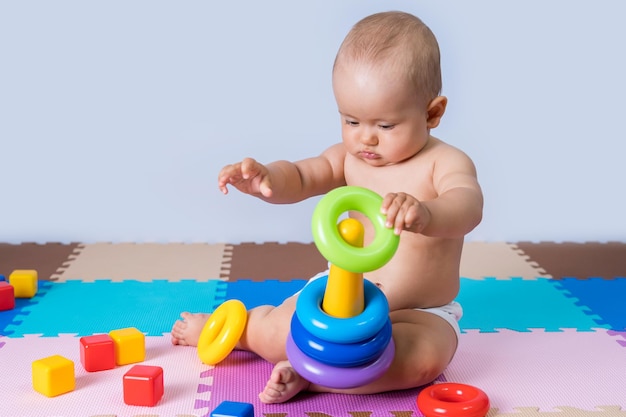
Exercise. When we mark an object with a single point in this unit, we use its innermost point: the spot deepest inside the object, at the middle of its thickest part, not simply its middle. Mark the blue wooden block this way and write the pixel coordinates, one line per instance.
(233, 409)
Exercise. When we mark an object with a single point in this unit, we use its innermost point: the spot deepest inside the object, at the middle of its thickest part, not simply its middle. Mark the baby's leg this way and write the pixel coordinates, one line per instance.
(267, 329)
(425, 345)
(265, 333)
(186, 332)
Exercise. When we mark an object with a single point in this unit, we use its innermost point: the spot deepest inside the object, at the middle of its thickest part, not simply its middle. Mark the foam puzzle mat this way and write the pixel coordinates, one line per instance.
(543, 331)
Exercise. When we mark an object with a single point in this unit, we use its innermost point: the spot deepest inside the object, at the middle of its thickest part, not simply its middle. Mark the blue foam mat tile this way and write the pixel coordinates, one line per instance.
(15, 316)
(521, 305)
(255, 293)
(600, 297)
(100, 306)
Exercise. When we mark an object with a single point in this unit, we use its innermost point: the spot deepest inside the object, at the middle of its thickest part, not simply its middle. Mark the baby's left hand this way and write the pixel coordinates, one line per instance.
(405, 212)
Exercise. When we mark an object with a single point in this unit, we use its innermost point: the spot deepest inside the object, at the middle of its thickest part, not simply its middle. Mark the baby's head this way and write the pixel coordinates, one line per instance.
(387, 82)
(397, 42)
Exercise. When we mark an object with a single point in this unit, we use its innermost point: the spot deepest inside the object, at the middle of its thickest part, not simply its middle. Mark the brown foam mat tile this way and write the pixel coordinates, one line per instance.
(45, 258)
(578, 260)
(601, 411)
(145, 262)
(272, 260)
(498, 260)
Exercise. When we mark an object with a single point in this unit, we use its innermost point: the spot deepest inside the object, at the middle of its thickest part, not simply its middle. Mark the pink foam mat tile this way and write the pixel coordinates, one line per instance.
(242, 375)
(543, 371)
(601, 411)
(96, 393)
(620, 337)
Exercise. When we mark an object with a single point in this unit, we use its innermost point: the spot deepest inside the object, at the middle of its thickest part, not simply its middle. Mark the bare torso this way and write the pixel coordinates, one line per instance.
(425, 270)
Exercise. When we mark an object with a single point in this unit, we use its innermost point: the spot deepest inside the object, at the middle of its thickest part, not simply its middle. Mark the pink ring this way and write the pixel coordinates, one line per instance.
(340, 378)
(452, 400)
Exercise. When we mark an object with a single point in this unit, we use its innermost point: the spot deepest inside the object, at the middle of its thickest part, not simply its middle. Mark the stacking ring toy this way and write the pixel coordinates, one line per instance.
(222, 332)
(334, 248)
(340, 378)
(340, 354)
(452, 400)
(341, 330)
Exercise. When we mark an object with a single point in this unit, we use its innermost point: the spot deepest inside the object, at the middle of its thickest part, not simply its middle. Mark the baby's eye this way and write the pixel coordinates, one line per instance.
(351, 123)
(386, 126)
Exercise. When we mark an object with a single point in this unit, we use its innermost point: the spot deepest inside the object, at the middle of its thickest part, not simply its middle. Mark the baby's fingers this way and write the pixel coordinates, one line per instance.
(392, 203)
(230, 174)
(411, 219)
(265, 187)
(400, 221)
(250, 168)
(401, 211)
(387, 201)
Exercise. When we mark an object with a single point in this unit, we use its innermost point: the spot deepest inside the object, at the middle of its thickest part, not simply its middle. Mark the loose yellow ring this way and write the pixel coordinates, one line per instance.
(222, 331)
(334, 248)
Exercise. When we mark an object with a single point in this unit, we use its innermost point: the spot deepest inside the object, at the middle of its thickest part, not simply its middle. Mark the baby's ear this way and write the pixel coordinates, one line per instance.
(435, 111)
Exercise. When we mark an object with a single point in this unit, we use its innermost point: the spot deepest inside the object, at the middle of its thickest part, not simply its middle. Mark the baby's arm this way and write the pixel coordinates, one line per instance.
(455, 211)
(283, 182)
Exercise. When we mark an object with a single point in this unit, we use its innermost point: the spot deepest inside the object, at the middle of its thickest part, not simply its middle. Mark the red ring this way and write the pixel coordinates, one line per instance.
(452, 400)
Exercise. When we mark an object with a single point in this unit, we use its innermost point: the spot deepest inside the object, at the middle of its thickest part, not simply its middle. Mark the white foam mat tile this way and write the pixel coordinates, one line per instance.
(497, 260)
(145, 262)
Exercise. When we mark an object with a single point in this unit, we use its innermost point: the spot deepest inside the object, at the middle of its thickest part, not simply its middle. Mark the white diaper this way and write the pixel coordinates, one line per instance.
(451, 313)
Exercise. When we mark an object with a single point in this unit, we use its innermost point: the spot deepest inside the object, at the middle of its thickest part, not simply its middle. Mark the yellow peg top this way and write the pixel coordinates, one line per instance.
(352, 231)
(344, 297)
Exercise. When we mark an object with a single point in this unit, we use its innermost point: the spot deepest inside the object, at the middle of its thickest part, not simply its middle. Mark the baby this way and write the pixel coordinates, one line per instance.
(387, 84)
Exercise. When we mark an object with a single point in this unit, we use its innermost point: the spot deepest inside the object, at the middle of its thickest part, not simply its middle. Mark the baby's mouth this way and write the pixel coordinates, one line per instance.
(368, 155)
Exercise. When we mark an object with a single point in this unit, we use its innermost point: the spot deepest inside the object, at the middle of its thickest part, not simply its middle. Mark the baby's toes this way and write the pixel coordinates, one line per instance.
(178, 329)
(269, 395)
(185, 315)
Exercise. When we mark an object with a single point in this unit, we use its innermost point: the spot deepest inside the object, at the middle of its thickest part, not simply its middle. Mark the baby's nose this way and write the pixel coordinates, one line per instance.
(369, 137)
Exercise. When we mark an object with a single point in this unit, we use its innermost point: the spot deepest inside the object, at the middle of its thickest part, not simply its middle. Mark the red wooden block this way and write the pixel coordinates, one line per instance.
(143, 385)
(97, 353)
(7, 296)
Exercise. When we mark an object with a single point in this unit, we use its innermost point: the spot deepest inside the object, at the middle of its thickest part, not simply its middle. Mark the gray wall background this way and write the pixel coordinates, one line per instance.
(116, 116)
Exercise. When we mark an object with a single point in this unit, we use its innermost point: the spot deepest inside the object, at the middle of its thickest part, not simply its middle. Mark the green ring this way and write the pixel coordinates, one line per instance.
(334, 248)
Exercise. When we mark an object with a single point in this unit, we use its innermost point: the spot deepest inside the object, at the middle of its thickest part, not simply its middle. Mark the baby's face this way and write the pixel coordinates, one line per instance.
(383, 120)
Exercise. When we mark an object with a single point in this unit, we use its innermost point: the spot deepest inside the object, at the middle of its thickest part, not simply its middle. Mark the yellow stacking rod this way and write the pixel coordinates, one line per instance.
(343, 297)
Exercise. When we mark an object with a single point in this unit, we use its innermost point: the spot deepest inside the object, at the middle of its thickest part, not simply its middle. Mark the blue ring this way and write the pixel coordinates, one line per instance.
(341, 330)
(340, 354)
(340, 378)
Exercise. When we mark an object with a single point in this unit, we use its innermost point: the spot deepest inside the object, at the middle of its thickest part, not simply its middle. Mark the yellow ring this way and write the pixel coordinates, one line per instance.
(222, 331)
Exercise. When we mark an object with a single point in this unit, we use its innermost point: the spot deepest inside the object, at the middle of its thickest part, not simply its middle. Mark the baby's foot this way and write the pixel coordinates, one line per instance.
(186, 332)
(284, 384)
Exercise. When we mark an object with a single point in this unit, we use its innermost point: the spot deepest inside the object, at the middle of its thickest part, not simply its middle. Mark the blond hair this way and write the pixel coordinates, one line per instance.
(398, 41)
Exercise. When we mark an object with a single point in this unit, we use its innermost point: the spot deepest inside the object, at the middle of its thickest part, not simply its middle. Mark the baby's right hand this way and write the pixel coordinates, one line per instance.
(248, 176)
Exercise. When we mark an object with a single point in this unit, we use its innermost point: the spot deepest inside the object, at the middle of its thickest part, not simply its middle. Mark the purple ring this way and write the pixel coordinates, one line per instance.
(338, 378)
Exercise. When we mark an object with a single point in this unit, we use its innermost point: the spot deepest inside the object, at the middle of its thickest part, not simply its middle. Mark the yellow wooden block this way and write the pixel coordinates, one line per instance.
(130, 345)
(24, 282)
(53, 375)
